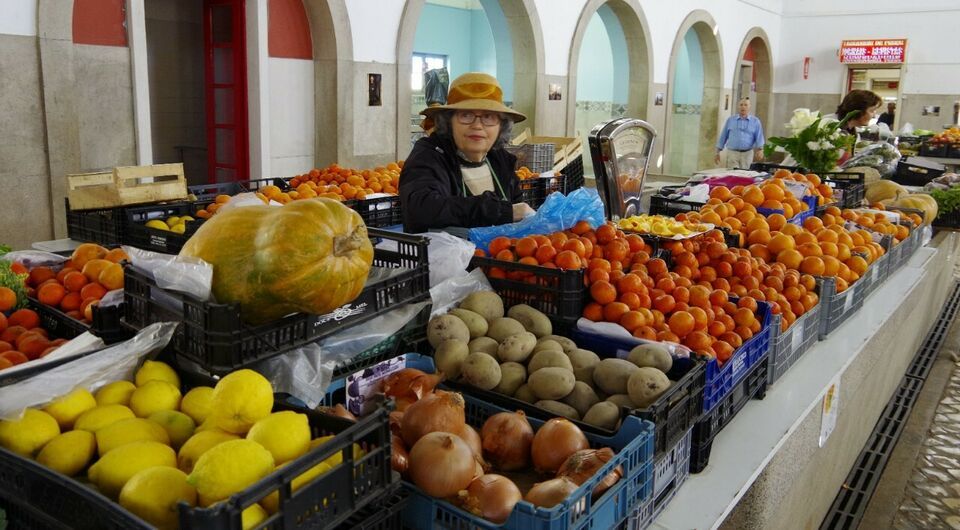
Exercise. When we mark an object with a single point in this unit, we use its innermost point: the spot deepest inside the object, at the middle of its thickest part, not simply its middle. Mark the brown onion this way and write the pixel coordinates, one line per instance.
(556, 440)
(438, 411)
(469, 434)
(399, 458)
(491, 497)
(409, 385)
(551, 493)
(340, 411)
(396, 421)
(583, 465)
(441, 464)
(506, 440)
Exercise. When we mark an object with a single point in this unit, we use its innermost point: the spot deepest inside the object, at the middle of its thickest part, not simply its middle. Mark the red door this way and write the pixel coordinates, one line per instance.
(225, 80)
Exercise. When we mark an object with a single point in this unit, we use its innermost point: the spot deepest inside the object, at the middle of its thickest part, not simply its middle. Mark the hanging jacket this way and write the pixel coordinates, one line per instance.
(432, 189)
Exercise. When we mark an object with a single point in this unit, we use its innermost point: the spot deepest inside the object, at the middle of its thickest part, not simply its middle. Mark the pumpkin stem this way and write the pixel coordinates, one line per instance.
(343, 245)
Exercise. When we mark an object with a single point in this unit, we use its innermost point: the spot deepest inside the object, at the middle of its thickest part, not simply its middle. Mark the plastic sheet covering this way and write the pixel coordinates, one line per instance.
(448, 294)
(558, 212)
(35, 258)
(114, 363)
(184, 274)
(75, 348)
(448, 255)
(609, 329)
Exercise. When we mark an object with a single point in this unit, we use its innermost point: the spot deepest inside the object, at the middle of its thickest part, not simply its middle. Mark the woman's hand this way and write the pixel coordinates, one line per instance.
(521, 211)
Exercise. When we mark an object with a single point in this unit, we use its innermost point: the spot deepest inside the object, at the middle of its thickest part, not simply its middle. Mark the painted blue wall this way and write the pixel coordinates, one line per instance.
(465, 36)
(603, 69)
(618, 47)
(688, 76)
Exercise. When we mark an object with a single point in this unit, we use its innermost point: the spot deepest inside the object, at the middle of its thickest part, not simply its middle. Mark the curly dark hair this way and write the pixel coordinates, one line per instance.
(857, 100)
(444, 127)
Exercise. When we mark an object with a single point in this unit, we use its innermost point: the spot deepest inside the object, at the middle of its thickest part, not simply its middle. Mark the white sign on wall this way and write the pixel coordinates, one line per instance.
(829, 410)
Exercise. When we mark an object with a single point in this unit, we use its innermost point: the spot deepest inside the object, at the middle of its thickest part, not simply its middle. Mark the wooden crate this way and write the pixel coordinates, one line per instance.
(126, 185)
(566, 148)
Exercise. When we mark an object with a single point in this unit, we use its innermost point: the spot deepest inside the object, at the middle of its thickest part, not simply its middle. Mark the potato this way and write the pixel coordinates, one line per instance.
(604, 414)
(560, 409)
(449, 357)
(517, 347)
(567, 344)
(581, 398)
(501, 328)
(481, 370)
(646, 385)
(487, 304)
(611, 375)
(512, 377)
(525, 394)
(551, 383)
(622, 400)
(548, 358)
(547, 345)
(652, 355)
(583, 362)
(535, 321)
(446, 327)
(484, 344)
(475, 323)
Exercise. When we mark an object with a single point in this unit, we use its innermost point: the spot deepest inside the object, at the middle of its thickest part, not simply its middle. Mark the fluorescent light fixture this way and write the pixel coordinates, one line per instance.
(660, 161)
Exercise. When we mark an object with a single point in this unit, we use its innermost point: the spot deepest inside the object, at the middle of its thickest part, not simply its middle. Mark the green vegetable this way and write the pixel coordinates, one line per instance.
(15, 282)
(4, 249)
(947, 200)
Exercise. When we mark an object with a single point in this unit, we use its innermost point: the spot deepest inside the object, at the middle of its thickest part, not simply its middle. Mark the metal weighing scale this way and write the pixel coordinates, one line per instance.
(621, 151)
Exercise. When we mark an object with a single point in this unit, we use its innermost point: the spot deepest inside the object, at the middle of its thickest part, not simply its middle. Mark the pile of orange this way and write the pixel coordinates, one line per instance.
(524, 173)
(90, 273)
(22, 338)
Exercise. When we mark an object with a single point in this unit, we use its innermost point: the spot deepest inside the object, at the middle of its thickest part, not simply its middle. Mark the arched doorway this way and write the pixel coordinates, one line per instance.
(753, 76)
(615, 81)
(500, 37)
(693, 96)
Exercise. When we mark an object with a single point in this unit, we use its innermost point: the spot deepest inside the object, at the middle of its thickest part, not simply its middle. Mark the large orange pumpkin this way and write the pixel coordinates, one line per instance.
(307, 256)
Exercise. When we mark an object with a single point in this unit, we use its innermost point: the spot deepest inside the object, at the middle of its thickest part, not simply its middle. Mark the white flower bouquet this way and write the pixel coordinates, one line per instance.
(816, 143)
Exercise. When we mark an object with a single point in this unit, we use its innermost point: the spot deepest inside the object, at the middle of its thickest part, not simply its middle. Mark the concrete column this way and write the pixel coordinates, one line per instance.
(136, 24)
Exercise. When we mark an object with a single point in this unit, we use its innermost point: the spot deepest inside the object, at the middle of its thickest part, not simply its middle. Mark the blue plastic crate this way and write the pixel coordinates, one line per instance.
(634, 449)
(798, 219)
(721, 380)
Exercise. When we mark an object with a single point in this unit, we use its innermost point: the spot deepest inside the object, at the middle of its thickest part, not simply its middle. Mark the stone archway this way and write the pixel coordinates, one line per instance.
(757, 41)
(675, 143)
(635, 30)
(528, 63)
(332, 59)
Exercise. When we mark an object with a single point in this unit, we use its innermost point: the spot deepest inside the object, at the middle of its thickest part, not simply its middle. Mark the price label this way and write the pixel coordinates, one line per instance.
(830, 411)
(739, 363)
(848, 303)
(798, 189)
(874, 272)
(797, 335)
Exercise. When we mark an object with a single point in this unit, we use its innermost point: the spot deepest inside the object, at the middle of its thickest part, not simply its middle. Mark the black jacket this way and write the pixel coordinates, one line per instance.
(431, 189)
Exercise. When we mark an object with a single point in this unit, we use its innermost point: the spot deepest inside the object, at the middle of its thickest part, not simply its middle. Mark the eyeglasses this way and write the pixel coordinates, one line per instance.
(468, 117)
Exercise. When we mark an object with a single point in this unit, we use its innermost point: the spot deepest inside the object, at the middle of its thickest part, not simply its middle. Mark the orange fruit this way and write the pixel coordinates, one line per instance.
(791, 258)
(86, 252)
(810, 249)
(780, 242)
(681, 323)
(593, 311)
(857, 265)
(8, 299)
(614, 311)
(111, 277)
(772, 192)
(753, 195)
(603, 292)
(92, 290)
(812, 265)
(51, 294)
(526, 247)
(26, 318)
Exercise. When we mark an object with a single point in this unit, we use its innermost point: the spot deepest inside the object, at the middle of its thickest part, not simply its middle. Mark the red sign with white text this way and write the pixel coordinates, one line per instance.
(881, 51)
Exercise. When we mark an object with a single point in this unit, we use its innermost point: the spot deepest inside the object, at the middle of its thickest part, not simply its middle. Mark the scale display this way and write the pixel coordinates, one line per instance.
(621, 149)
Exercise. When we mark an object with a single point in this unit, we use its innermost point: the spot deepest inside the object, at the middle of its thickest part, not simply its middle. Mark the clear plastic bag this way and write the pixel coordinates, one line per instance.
(77, 347)
(448, 255)
(557, 213)
(448, 294)
(35, 258)
(184, 274)
(114, 363)
(616, 331)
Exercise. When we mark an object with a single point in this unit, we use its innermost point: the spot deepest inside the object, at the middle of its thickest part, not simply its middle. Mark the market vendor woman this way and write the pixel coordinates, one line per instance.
(460, 175)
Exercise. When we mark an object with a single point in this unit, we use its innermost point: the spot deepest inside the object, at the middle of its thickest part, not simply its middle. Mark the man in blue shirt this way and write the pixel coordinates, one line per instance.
(741, 138)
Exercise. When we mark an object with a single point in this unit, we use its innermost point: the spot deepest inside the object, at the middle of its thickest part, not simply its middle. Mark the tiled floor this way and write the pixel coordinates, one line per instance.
(932, 496)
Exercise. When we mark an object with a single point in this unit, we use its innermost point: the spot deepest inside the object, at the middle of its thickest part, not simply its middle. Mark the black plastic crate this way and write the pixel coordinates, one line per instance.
(934, 150)
(138, 234)
(559, 294)
(912, 171)
(787, 347)
(848, 188)
(384, 515)
(389, 348)
(214, 336)
(947, 220)
(103, 225)
(772, 168)
(106, 322)
(209, 192)
(573, 172)
(754, 385)
(534, 191)
(670, 471)
(379, 212)
(661, 203)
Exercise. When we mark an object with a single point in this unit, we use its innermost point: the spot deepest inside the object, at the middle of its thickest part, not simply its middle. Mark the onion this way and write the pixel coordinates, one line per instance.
(339, 410)
(409, 385)
(491, 497)
(556, 440)
(506, 440)
(396, 421)
(551, 493)
(583, 465)
(441, 464)
(399, 458)
(469, 434)
(437, 412)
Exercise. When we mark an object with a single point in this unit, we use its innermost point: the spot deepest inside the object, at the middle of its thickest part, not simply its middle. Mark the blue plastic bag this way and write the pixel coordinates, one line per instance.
(557, 213)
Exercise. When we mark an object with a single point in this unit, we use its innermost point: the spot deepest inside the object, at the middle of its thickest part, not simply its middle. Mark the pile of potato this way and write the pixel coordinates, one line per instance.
(517, 355)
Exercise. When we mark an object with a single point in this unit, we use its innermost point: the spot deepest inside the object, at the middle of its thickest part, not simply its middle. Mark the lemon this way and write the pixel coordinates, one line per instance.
(272, 502)
(252, 516)
(30, 433)
(116, 393)
(186, 218)
(115, 468)
(158, 224)
(99, 417)
(172, 220)
(198, 444)
(154, 395)
(196, 403)
(156, 370)
(239, 400)
(178, 229)
(228, 468)
(178, 425)
(66, 409)
(285, 434)
(153, 495)
(121, 433)
(69, 453)
(337, 458)
(208, 425)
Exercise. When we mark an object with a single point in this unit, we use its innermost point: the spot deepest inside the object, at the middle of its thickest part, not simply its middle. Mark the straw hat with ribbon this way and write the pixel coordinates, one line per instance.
(475, 91)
